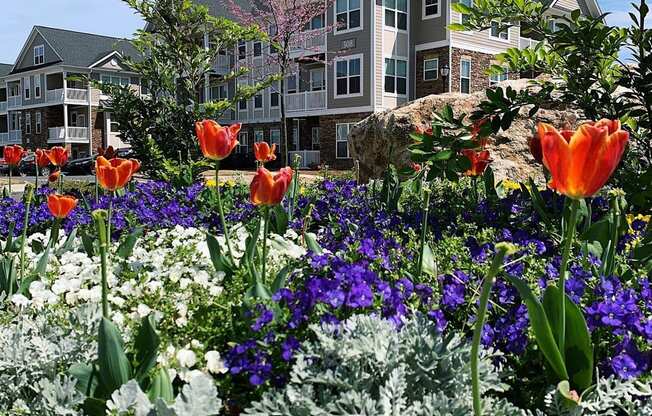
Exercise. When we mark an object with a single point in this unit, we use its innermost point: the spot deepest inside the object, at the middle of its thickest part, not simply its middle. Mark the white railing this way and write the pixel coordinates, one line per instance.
(54, 96)
(14, 102)
(75, 135)
(309, 158)
(78, 132)
(4, 138)
(15, 136)
(3, 106)
(309, 100)
(222, 64)
(527, 43)
(56, 134)
(310, 42)
(75, 94)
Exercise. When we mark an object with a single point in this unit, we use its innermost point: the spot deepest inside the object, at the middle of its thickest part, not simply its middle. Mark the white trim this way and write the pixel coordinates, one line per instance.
(37, 77)
(29, 41)
(38, 123)
(348, 131)
(431, 45)
(472, 47)
(470, 77)
(433, 16)
(41, 55)
(28, 123)
(396, 58)
(396, 11)
(26, 84)
(498, 38)
(424, 69)
(93, 65)
(348, 11)
(348, 58)
(332, 111)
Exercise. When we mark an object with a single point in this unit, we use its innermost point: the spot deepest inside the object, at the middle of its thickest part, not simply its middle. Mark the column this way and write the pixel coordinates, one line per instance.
(65, 120)
(90, 118)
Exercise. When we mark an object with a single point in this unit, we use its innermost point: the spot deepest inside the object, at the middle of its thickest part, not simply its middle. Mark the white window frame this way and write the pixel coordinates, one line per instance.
(348, 131)
(495, 79)
(37, 86)
(277, 140)
(436, 60)
(260, 45)
(81, 120)
(237, 50)
(499, 35)
(243, 142)
(296, 84)
(274, 89)
(323, 79)
(468, 3)
(262, 101)
(28, 123)
(425, 16)
(246, 105)
(39, 55)
(348, 29)
(396, 77)
(38, 121)
(315, 133)
(470, 77)
(259, 135)
(27, 85)
(347, 59)
(396, 12)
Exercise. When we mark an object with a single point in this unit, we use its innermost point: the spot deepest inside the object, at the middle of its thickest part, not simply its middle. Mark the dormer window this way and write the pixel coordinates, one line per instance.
(39, 55)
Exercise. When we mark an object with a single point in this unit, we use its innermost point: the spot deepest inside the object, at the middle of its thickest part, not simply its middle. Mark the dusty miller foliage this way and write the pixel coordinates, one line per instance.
(367, 367)
(34, 355)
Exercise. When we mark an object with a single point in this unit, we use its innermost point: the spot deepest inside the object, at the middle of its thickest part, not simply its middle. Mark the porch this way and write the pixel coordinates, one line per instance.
(68, 124)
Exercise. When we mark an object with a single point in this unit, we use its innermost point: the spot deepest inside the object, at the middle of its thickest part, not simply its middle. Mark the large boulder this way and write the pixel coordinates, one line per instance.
(372, 139)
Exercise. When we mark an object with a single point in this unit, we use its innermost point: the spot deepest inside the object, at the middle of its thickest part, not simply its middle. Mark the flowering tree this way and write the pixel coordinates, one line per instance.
(286, 22)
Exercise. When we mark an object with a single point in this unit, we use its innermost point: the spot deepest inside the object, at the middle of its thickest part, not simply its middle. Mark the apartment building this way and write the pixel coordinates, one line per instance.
(381, 54)
(45, 99)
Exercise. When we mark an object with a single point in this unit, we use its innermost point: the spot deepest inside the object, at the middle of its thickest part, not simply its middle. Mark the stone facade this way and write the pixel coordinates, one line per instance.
(35, 139)
(328, 138)
(480, 64)
(98, 133)
(426, 87)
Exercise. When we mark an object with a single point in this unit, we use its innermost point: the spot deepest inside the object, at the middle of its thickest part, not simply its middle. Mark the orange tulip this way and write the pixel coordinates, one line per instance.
(582, 162)
(479, 161)
(54, 176)
(41, 158)
(108, 153)
(58, 155)
(268, 190)
(13, 154)
(115, 173)
(264, 153)
(476, 129)
(216, 142)
(61, 205)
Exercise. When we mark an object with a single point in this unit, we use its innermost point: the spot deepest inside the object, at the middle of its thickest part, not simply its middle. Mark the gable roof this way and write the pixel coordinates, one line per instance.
(5, 69)
(592, 6)
(79, 48)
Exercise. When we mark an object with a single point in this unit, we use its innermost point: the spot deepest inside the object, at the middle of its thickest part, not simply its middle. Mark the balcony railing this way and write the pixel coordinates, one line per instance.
(75, 135)
(15, 136)
(309, 43)
(4, 139)
(222, 64)
(75, 94)
(309, 158)
(54, 96)
(527, 43)
(306, 101)
(14, 102)
(3, 106)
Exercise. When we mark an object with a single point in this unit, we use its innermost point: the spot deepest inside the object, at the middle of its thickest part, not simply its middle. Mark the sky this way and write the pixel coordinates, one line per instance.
(114, 18)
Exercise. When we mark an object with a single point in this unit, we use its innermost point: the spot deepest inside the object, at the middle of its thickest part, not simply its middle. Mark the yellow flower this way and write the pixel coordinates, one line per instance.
(210, 183)
(511, 185)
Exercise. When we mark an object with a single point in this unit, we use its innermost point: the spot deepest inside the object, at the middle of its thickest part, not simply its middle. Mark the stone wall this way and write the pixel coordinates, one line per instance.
(437, 86)
(99, 125)
(328, 126)
(480, 63)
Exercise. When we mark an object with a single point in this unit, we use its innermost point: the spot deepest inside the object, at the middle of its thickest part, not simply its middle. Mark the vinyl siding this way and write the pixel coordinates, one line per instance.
(27, 60)
(482, 41)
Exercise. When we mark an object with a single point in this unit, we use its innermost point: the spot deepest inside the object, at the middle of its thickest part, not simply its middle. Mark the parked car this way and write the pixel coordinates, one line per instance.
(27, 166)
(4, 167)
(86, 165)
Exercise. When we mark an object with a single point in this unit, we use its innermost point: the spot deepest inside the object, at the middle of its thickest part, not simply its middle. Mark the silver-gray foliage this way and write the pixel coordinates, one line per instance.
(197, 398)
(366, 367)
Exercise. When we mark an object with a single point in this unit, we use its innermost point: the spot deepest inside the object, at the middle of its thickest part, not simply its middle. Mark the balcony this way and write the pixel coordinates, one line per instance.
(75, 135)
(309, 158)
(54, 96)
(527, 43)
(309, 43)
(222, 64)
(14, 102)
(12, 137)
(3, 106)
(305, 101)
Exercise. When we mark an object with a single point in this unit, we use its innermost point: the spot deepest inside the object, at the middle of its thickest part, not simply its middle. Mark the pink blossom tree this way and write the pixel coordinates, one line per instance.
(285, 21)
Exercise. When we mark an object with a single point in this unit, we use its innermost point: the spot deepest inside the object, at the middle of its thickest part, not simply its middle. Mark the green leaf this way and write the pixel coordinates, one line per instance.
(127, 246)
(88, 243)
(457, 27)
(8, 275)
(114, 367)
(220, 262)
(86, 376)
(42, 263)
(311, 243)
(578, 349)
(258, 291)
(252, 240)
(146, 345)
(429, 263)
(541, 327)
(280, 219)
(161, 386)
(70, 240)
(279, 281)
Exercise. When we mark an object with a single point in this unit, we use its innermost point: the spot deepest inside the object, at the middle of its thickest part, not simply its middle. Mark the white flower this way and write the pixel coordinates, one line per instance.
(186, 358)
(143, 310)
(214, 363)
(20, 301)
(188, 375)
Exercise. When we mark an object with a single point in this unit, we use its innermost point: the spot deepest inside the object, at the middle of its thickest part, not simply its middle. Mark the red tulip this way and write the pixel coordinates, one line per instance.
(479, 161)
(135, 165)
(115, 173)
(476, 129)
(416, 167)
(13, 154)
(58, 155)
(216, 142)
(54, 176)
(60, 205)
(580, 164)
(269, 190)
(41, 158)
(427, 131)
(264, 153)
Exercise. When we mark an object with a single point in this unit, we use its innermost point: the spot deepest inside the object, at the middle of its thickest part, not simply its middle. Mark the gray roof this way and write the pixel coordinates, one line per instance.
(5, 69)
(84, 49)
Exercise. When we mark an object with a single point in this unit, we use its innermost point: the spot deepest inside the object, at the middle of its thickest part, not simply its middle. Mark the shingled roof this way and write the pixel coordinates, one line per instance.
(5, 69)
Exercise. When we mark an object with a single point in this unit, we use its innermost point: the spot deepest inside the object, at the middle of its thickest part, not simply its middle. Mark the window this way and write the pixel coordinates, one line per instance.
(430, 9)
(38, 123)
(219, 92)
(274, 98)
(115, 80)
(291, 84)
(347, 15)
(81, 120)
(342, 140)
(242, 49)
(498, 31)
(28, 123)
(465, 76)
(469, 3)
(317, 22)
(496, 78)
(243, 142)
(395, 76)
(26, 87)
(37, 86)
(258, 49)
(242, 105)
(259, 136)
(258, 101)
(39, 55)
(317, 79)
(315, 138)
(430, 69)
(275, 137)
(348, 78)
(114, 127)
(396, 14)
(73, 119)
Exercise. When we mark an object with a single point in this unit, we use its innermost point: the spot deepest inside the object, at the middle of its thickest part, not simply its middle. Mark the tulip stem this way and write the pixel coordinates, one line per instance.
(54, 235)
(221, 210)
(28, 202)
(563, 272)
(36, 177)
(267, 212)
(104, 248)
(479, 323)
(424, 228)
(10, 169)
(110, 215)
